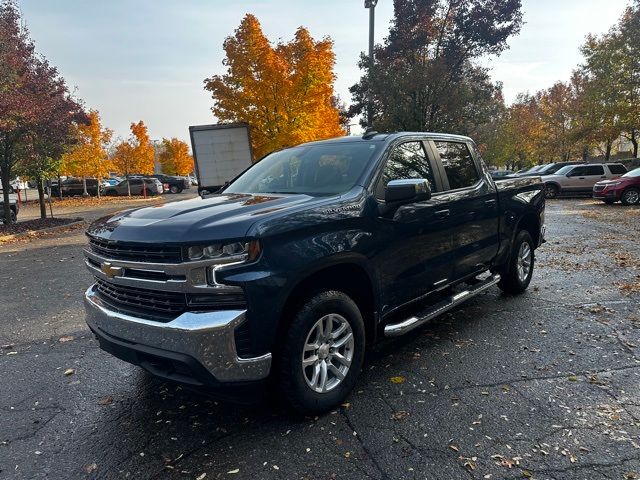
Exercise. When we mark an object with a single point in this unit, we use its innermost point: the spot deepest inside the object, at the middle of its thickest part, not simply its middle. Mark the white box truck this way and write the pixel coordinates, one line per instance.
(220, 152)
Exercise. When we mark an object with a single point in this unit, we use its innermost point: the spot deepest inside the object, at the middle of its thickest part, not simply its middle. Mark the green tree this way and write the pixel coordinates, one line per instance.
(426, 75)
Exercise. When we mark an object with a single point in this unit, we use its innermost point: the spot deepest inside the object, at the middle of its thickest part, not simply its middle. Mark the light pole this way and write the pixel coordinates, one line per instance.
(371, 5)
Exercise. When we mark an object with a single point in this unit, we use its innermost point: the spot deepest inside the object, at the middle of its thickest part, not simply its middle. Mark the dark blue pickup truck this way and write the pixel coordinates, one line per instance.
(305, 259)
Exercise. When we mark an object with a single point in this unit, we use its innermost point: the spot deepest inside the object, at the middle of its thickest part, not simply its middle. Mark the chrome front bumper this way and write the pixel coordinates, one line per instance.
(207, 337)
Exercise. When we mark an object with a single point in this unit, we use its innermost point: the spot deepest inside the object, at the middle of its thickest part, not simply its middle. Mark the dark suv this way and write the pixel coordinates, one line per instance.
(173, 184)
(75, 186)
(307, 258)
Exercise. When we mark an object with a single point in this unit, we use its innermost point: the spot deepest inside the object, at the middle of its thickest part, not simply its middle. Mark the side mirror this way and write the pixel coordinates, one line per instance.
(407, 191)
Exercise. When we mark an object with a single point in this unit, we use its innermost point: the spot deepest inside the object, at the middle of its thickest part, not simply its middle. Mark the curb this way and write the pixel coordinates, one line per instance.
(16, 236)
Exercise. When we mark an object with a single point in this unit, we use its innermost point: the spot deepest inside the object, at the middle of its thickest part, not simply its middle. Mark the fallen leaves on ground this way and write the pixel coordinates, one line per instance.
(402, 414)
(397, 380)
(67, 338)
(108, 400)
(69, 371)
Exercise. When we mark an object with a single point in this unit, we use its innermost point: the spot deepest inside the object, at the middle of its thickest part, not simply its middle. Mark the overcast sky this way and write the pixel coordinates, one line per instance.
(146, 59)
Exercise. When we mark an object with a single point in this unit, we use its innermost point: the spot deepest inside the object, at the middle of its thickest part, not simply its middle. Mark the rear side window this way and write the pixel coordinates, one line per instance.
(407, 161)
(594, 170)
(617, 169)
(136, 181)
(458, 163)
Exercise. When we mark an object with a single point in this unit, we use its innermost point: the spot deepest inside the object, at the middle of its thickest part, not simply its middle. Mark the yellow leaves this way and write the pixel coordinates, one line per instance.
(284, 91)
(174, 157)
(397, 380)
(88, 158)
(135, 155)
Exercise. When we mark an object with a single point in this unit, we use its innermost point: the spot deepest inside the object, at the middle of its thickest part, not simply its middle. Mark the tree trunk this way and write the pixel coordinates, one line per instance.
(43, 206)
(128, 186)
(585, 153)
(84, 186)
(59, 188)
(5, 196)
(634, 141)
(607, 155)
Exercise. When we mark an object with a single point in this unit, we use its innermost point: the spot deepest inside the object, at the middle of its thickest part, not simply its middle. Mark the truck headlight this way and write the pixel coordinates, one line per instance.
(225, 253)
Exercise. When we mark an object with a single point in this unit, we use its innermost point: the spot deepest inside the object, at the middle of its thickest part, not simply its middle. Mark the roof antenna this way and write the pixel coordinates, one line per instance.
(369, 133)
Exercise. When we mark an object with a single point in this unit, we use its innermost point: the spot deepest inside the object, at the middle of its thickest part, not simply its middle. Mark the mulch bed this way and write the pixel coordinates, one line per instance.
(29, 226)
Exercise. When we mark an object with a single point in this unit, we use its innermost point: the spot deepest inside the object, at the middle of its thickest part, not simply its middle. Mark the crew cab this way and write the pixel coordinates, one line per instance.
(307, 258)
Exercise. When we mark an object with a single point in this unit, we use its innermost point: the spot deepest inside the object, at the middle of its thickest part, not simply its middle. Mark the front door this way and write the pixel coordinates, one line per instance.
(583, 177)
(415, 238)
(471, 198)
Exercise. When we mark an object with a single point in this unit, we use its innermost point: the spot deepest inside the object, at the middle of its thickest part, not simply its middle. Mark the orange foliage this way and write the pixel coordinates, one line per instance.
(88, 157)
(284, 92)
(136, 154)
(175, 158)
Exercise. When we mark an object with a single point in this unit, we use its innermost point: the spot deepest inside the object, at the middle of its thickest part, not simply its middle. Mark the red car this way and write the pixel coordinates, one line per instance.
(625, 188)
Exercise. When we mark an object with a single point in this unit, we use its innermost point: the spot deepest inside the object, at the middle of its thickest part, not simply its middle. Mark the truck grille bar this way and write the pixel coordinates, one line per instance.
(132, 252)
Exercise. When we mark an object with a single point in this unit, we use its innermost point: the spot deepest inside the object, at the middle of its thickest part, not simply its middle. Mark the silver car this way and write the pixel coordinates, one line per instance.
(580, 178)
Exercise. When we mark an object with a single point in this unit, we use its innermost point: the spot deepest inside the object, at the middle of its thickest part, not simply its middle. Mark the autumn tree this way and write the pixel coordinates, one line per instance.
(136, 154)
(175, 158)
(426, 75)
(36, 109)
(88, 156)
(283, 91)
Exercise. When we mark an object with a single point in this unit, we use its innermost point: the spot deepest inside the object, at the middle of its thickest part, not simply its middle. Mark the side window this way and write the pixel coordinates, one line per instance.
(458, 163)
(407, 161)
(578, 172)
(617, 169)
(136, 181)
(595, 170)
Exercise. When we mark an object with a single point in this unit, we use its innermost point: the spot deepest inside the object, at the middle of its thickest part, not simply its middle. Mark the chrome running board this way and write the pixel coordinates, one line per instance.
(397, 329)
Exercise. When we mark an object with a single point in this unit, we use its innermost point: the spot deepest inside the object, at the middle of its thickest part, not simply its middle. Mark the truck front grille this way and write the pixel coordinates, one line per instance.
(136, 253)
(161, 305)
(164, 306)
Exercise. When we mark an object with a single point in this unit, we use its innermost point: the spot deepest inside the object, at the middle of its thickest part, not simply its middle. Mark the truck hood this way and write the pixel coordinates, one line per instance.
(216, 217)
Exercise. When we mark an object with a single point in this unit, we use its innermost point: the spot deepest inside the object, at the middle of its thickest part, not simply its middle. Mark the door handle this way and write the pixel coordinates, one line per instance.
(490, 202)
(442, 213)
(603, 176)
(581, 178)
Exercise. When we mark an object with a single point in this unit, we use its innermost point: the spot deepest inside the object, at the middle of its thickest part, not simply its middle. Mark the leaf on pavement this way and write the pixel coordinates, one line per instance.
(69, 371)
(66, 338)
(398, 380)
(108, 400)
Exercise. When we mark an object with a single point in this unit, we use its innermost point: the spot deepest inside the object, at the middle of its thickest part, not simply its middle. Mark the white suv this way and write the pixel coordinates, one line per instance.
(580, 178)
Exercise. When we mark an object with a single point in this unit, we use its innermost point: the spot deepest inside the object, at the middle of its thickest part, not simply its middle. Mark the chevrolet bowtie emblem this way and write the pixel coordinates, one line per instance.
(110, 271)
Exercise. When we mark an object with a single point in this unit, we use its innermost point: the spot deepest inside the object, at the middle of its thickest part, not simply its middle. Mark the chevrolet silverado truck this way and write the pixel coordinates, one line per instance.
(307, 258)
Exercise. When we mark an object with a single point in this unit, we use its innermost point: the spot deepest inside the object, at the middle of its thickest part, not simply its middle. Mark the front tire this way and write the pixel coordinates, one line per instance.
(551, 190)
(322, 353)
(631, 196)
(173, 189)
(517, 274)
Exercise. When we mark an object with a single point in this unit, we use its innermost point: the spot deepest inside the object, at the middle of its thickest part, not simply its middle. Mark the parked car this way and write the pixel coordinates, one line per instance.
(625, 189)
(153, 187)
(551, 168)
(13, 205)
(305, 259)
(74, 186)
(174, 184)
(573, 179)
(498, 174)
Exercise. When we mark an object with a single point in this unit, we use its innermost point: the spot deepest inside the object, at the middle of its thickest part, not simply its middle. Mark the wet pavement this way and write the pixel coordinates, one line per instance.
(541, 385)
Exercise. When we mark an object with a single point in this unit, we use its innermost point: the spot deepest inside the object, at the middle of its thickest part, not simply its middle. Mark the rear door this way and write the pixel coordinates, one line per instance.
(416, 238)
(471, 198)
(582, 178)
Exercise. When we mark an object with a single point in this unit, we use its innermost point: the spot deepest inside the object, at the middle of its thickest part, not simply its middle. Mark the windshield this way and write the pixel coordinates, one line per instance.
(324, 169)
(564, 170)
(633, 173)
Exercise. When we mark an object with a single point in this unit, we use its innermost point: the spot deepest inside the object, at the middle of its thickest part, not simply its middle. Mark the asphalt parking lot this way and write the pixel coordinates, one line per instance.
(545, 385)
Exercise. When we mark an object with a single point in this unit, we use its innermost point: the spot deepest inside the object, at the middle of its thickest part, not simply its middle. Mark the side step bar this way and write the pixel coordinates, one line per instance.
(397, 329)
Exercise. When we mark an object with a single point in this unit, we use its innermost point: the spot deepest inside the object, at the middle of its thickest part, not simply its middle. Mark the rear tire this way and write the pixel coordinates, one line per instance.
(173, 189)
(551, 190)
(322, 353)
(517, 274)
(631, 196)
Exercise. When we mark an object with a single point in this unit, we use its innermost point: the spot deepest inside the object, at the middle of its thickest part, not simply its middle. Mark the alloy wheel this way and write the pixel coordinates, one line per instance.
(328, 353)
(631, 197)
(524, 261)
